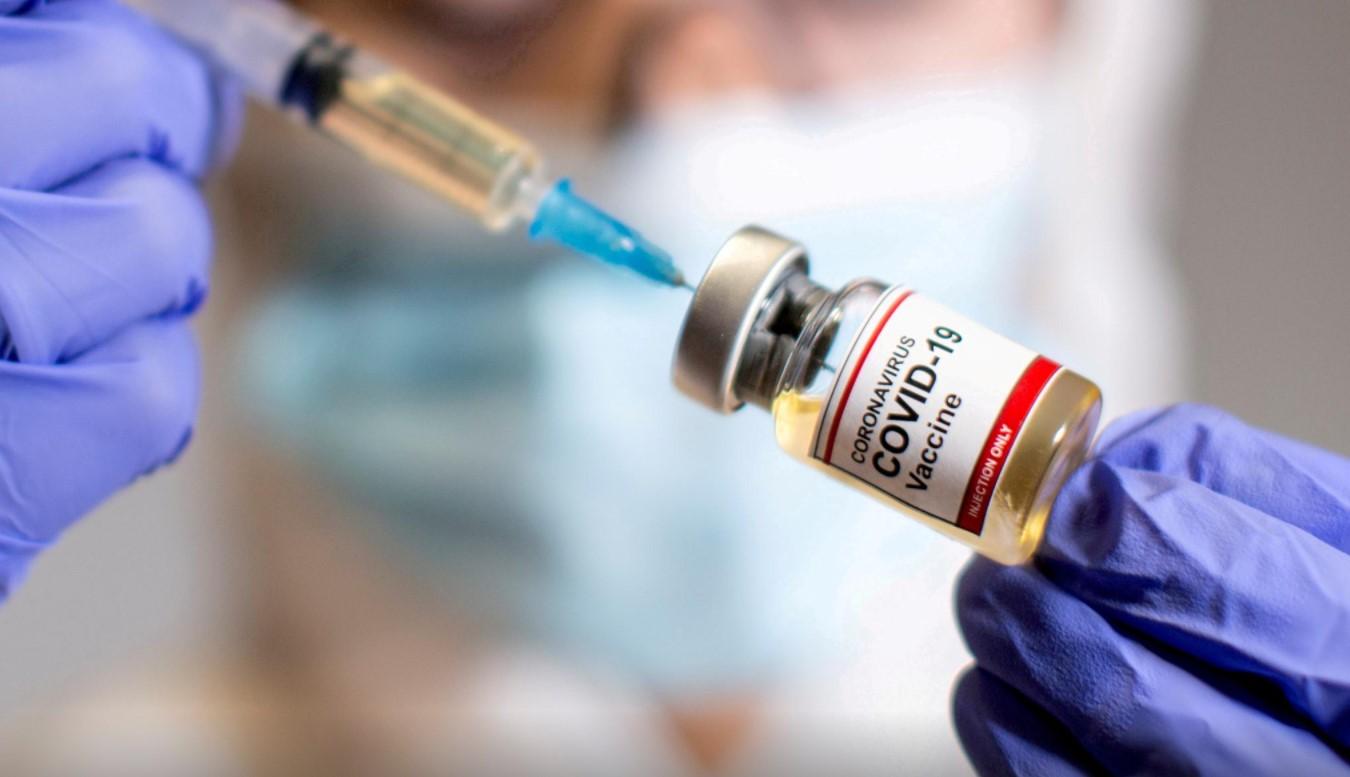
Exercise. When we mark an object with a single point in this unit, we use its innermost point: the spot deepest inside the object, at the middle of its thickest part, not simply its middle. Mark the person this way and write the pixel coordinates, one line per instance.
(693, 610)
(657, 561)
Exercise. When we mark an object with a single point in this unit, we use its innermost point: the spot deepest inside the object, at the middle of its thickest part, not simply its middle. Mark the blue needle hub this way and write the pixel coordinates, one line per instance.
(569, 220)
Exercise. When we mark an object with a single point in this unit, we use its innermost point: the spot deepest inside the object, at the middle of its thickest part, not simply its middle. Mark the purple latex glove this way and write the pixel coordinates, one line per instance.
(1189, 613)
(104, 246)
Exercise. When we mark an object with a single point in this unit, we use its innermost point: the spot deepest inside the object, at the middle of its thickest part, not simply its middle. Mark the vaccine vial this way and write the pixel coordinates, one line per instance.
(889, 392)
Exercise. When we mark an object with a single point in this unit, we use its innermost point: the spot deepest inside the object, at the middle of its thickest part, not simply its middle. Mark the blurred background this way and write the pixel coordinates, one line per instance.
(1257, 225)
(335, 581)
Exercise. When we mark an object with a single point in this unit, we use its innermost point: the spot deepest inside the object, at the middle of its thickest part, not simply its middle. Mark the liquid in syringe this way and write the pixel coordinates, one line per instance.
(404, 126)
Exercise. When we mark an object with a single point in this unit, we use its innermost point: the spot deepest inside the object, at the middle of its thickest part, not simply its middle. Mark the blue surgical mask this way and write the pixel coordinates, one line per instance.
(522, 444)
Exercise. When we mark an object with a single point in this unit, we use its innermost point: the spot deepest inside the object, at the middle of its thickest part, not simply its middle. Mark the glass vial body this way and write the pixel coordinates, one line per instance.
(892, 394)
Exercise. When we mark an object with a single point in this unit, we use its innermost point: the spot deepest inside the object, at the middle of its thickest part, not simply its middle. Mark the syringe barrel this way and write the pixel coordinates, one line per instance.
(404, 125)
(392, 119)
(255, 40)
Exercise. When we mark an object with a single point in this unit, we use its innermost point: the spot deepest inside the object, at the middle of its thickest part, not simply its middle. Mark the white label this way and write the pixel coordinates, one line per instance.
(927, 407)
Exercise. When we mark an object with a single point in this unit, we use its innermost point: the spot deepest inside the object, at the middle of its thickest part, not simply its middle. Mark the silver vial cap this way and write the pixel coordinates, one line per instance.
(728, 303)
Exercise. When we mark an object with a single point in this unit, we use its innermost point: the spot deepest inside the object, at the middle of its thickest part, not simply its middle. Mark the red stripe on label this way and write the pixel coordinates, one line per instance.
(857, 369)
(994, 453)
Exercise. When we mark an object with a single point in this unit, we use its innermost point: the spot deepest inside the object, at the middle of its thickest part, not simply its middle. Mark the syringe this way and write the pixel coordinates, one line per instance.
(288, 61)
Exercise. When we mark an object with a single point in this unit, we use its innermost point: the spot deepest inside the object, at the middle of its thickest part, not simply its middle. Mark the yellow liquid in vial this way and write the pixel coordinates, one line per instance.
(406, 127)
(1054, 441)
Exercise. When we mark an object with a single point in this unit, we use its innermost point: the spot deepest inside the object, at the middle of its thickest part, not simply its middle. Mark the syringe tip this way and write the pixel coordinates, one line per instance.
(572, 221)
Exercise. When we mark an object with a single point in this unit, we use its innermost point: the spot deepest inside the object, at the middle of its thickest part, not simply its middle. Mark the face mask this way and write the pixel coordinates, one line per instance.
(520, 441)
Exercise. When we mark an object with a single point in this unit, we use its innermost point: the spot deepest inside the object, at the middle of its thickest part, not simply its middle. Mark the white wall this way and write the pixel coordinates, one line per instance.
(1263, 220)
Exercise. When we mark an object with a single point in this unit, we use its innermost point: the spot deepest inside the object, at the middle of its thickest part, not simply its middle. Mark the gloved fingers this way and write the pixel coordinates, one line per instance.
(71, 435)
(8, 7)
(1294, 482)
(1006, 734)
(1131, 709)
(88, 81)
(1212, 577)
(129, 241)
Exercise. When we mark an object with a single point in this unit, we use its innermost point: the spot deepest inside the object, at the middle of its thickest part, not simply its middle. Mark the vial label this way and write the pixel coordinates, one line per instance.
(928, 406)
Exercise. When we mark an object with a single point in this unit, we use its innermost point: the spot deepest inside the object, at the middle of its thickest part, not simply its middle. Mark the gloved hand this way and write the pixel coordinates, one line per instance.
(1189, 613)
(104, 244)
